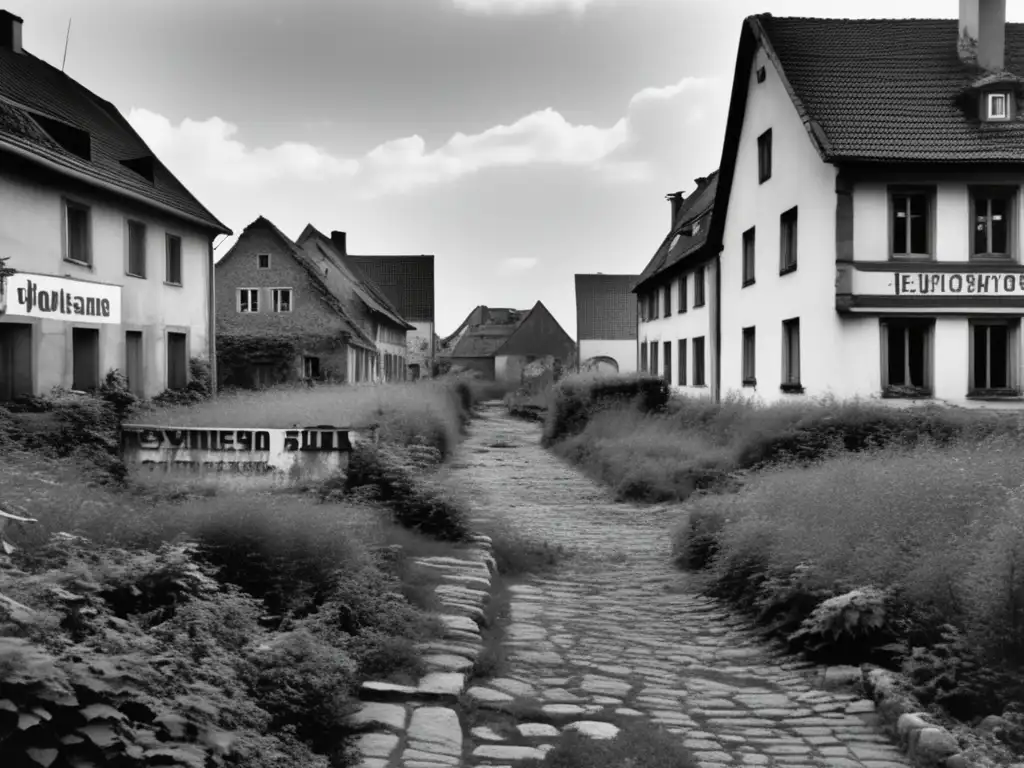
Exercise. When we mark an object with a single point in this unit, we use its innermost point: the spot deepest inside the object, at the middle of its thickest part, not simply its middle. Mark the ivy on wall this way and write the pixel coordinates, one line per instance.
(237, 353)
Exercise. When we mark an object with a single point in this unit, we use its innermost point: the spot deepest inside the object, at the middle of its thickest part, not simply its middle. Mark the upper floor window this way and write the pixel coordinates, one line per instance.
(911, 227)
(698, 287)
(788, 241)
(136, 248)
(173, 260)
(248, 300)
(282, 299)
(764, 156)
(991, 217)
(666, 301)
(998, 106)
(682, 293)
(748, 256)
(263, 261)
(78, 232)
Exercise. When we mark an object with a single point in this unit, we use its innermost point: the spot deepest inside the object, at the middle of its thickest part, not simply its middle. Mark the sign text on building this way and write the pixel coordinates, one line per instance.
(958, 284)
(60, 298)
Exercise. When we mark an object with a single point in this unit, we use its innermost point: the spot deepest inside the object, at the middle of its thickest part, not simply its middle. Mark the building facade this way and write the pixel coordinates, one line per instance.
(112, 256)
(606, 323)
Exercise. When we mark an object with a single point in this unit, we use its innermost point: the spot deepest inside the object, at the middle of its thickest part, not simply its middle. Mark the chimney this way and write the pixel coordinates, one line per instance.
(675, 199)
(10, 31)
(982, 40)
(338, 238)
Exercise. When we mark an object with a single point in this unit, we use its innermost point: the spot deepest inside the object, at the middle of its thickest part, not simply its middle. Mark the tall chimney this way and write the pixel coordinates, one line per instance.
(675, 199)
(982, 39)
(10, 31)
(338, 238)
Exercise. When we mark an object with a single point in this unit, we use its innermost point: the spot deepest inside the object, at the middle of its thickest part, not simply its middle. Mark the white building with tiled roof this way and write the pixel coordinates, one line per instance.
(113, 256)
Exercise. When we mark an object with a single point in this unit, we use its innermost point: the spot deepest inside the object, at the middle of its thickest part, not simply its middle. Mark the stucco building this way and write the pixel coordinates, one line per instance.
(113, 255)
(606, 323)
(866, 227)
(300, 310)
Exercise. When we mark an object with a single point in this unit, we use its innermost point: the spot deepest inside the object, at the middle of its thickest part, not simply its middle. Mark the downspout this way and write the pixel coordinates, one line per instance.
(212, 322)
(637, 326)
(716, 383)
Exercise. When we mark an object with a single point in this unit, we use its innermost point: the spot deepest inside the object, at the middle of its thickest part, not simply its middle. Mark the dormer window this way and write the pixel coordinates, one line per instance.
(997, 106)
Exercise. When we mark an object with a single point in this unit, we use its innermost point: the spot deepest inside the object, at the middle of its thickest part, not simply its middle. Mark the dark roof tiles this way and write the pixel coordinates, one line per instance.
(605, 307)
(407, 282)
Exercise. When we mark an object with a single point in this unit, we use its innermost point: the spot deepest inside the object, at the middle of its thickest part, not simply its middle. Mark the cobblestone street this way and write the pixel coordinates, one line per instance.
(616, 632)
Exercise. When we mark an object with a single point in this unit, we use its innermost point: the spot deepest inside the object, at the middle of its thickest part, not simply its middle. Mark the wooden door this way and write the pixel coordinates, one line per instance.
(133, 367)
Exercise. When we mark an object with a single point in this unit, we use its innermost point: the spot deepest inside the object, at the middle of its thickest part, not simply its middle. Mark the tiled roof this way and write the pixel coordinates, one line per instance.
(29, 85)
(887, 90)
(407, 281)
(605, 307)
(482, 315)
(483, 341)
(677, 246)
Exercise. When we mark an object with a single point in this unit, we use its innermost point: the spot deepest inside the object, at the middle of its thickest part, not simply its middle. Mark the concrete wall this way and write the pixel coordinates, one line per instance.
(32, 236)
(622, 351)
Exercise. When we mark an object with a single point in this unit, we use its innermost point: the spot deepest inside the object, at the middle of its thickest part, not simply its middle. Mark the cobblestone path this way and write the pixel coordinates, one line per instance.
(616, 632)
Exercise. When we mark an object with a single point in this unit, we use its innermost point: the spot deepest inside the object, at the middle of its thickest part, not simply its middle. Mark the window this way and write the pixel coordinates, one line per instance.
(248, 300)
(136, 249)
(282, 299)
(911, 223)
(78, 243)
(682, 362)
(698, 287)
(311, 367)
(993, 361)
(667, 350)
(788, 242)
(263, 261)
(652, 306)
(177, 360)
(991, 217)
(698, 361)
(748, 257)
(749, 358)
(906, 357)
(666, 306)
(791, 355)
(643, 357)
(173, 260)
(682, 293)
(85, 359)
(134, 362)
(764, 156)
(998, 106)
(654, 358)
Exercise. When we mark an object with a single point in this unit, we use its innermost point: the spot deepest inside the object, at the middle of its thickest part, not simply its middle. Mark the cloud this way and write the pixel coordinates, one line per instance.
(518, 264)
(521, 6)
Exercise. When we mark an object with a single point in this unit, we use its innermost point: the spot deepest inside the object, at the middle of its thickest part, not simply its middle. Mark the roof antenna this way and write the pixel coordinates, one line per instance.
(66, 38)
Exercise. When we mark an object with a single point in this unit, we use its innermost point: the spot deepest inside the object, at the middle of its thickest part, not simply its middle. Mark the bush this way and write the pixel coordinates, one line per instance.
(576, 398)
(198, 389)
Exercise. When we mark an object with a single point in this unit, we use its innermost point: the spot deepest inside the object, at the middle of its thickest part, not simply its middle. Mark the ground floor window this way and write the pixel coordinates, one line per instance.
(749, 358)
(992, 356)
(698, 362)
(682, 362)
(414, 372)
(311, 367)
(667, 346)
(654, 358)
(177, 360)
(85, 359)
(907, 357)
(791, 355)
(134, 362)
(643, 358)
(15, 360)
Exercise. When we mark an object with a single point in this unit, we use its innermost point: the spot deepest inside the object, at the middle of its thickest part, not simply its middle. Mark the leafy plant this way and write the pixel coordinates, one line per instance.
(848, 626)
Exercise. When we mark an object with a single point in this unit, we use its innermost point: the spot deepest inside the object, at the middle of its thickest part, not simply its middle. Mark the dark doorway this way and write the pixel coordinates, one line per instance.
(15, 361)
(85, 359)
(133, 357)
(177, 360)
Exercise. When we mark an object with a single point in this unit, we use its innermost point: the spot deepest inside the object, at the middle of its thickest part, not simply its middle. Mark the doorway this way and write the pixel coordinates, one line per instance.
(133, 355)
(15, 361)
(85, 359)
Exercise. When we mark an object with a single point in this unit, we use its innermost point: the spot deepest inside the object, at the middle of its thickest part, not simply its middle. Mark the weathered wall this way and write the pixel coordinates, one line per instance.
(622, 351)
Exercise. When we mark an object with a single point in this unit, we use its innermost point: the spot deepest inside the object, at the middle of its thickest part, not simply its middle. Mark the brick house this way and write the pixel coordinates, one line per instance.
(279, 320)
(606, 322)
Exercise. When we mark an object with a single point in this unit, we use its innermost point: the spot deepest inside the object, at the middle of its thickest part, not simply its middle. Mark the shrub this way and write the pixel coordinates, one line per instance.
(576, 398)
(695, 546)
(198, 389)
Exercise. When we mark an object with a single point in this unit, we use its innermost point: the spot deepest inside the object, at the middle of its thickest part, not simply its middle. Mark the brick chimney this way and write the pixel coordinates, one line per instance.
(338, 238)
(675, 199)
(10, 31)
(982, 40)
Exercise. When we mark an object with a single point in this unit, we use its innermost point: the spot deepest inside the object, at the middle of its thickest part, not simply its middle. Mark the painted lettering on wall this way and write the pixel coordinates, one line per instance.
(59, 298)
(958, 284)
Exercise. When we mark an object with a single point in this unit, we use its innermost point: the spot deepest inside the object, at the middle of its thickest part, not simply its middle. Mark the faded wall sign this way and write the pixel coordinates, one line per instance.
(958, 284)
(60, 298)
(306, 453)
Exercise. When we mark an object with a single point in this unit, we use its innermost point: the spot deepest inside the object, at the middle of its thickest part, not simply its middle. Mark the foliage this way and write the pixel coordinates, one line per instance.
(577, 398)
(198, 389)
(517, 554)
(847, 626)
(236, 352)
(636, 746)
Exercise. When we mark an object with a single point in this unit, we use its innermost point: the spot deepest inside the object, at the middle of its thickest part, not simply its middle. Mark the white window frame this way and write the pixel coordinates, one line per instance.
(275, 300)
(1012, 326)
(991, 100)
(252, 293)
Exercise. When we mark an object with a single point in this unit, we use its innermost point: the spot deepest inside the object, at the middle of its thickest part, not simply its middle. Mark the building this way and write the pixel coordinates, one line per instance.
(500, 343)
(113, 255)
(867, 219)
(606, 322)
(408, 283)
(677, 296)
(288, 311)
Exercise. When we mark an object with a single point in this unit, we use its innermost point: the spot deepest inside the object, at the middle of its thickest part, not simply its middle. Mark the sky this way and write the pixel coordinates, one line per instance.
(518, 141)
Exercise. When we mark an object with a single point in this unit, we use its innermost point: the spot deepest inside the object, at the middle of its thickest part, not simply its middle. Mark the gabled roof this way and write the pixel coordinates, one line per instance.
(884, 90)
(685, 239)
(605, 307)
(364, 287)
(535, 334)
(40, 106)
(407, 282)
(354, 333)
(481, 315)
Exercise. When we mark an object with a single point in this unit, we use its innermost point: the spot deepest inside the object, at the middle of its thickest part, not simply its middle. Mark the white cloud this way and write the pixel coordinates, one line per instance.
(518, 264)
(521, 6)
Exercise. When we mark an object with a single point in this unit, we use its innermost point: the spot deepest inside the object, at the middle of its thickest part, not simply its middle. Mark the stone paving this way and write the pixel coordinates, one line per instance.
(617, 633)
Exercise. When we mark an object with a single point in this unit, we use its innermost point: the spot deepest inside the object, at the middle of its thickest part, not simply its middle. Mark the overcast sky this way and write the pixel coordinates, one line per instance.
(519, 141)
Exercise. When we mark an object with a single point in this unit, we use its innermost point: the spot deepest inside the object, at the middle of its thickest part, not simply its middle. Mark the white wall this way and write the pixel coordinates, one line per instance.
(419, 346)
(622, 351)
(31, 234)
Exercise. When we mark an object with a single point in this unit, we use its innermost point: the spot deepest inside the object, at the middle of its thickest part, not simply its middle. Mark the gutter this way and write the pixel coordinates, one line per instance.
(716, 382)
(120, 191)
(212, 322)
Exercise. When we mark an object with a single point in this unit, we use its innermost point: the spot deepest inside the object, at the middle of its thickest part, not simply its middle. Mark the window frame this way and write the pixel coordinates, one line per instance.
(699, 372)
(748, 363)
(764, 156)
(929, 193)
(1006, 96)
(666, 362)
(989, 192)
(260, 256)
(306, 366)
(790, 383)
(655, 363)
(789, 233)
(68, 204)
(643, 357)
(252, 292)
(890, 390)
(682, 362)
(749, 244)
(129, 225)
(666, 300)
(1013, 388)
(274, 300)
(699, 287)
(683, 294)
(167, 358)
(169, 237)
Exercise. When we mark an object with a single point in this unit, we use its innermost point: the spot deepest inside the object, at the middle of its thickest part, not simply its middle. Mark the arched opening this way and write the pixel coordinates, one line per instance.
(600, 364)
